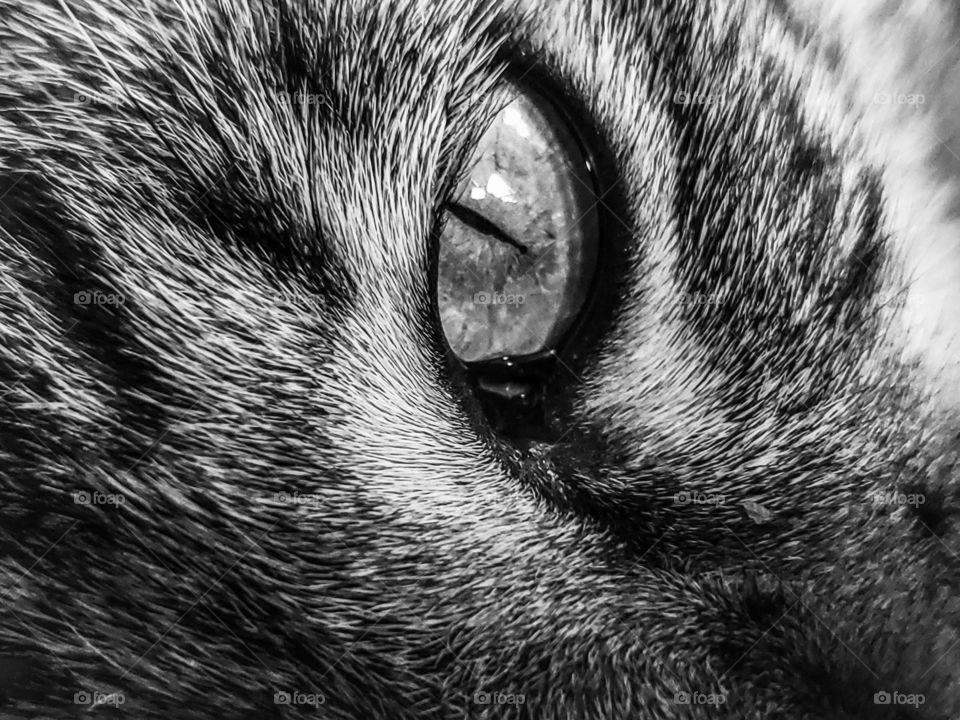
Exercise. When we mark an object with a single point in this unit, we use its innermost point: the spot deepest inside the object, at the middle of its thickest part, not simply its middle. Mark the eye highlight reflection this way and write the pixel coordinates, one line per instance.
(518, 248)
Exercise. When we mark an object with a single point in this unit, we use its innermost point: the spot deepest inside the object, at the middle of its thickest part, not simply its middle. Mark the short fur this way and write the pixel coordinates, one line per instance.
(202, 158)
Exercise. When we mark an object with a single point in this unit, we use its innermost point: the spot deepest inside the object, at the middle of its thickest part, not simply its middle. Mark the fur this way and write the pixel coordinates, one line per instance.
(261, 184)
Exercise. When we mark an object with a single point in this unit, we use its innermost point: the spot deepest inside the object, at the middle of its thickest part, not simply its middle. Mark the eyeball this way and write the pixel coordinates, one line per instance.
(519, 241)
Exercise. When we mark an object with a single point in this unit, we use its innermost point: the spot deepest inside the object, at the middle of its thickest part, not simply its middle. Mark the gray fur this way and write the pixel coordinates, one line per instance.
(434, 561)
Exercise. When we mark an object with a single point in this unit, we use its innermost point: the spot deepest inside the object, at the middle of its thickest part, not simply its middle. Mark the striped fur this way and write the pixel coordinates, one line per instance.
(260, 184)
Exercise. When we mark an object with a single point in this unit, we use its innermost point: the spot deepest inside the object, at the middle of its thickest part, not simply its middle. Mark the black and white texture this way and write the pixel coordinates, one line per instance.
(235, 461)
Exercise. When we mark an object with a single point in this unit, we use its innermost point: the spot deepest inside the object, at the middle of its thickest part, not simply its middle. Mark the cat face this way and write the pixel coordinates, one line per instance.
(246, 469)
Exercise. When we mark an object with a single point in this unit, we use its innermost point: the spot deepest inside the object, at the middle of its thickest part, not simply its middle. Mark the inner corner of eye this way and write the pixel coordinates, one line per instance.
(518, 248)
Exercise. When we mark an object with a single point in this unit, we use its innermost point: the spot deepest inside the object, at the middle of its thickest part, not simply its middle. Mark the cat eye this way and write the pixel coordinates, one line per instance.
(517, 251)
(517, 259)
